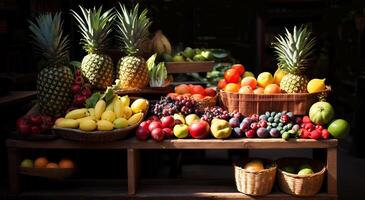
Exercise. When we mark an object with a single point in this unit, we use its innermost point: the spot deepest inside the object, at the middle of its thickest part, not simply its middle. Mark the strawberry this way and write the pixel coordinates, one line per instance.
(306, 119)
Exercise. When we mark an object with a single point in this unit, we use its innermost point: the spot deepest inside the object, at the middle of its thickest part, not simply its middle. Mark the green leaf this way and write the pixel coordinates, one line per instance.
(108, 96)
(92, 100)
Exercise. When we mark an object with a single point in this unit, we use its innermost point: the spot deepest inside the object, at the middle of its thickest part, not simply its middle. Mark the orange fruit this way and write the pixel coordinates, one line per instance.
(264, 79)
(197, 89)
(239, 67)
(259, 90)
(222, 84)
(40, 162)
(245, 90)
(232, 87)
(52, 165)
(272, 89)
(182, 89)
(66, 163)
(249, 81)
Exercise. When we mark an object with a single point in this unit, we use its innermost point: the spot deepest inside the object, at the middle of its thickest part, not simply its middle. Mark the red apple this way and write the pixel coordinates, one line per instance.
(167, 122)
(199, 129)
(157, 134)
(145, 124)
(168, 132)
(142, 134)
(154, 118)
(154, 125)
(35, 119)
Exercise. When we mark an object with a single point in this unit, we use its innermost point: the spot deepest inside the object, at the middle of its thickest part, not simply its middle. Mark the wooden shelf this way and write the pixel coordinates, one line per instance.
(17, 96)
(132, 143)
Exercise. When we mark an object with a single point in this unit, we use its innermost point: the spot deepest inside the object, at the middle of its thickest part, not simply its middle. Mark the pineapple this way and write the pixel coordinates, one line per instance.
(133, 31)
(95, 27)
(295, 51)
(55, 79)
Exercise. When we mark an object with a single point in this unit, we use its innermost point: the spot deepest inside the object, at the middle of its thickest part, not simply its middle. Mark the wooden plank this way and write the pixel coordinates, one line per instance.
(188, 67)
(13, 176)
(133, 170)
(132, 143)
(332, 170)
(16, 96)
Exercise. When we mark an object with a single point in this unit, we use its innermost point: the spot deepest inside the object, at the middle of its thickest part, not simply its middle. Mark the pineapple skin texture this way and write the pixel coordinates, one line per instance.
(54, 90)
(133, 72)
(98, 70)
(292, 83)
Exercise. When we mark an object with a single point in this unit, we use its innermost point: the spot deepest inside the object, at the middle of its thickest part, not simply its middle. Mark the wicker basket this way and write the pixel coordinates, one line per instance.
(255, 183)
(206, 102)
(300, 185)
(248, 104)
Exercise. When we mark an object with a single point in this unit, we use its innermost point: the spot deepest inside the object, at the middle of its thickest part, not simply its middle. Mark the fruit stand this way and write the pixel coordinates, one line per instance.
(84, 110)
(166, 189)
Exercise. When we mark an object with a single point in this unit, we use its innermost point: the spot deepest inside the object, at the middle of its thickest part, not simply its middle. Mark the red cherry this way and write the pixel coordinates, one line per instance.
(79, 80)
(75, 89)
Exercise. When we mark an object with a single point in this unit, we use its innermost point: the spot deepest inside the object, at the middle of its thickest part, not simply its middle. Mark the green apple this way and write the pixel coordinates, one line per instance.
(27, 163)
(339, 128)
(181, 130)
(189, 52)
(120, 123)
(180, 117)
(305, 171)
(220, 128)
(198, 57)
(247, 74)
(191, 118)
(178, 58)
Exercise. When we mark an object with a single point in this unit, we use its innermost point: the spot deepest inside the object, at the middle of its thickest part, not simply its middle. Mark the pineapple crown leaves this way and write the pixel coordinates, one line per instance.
(95, 26)
(48, 39)
(132, 28)
(295, 50)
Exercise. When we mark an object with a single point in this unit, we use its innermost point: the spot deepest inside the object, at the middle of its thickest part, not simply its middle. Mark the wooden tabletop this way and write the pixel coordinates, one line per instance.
(132, 143)
(17, 96)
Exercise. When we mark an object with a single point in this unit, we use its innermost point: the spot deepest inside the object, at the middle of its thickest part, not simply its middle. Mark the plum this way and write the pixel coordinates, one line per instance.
(234, 122)
(262, 132)
(274, 132)
(237, 132)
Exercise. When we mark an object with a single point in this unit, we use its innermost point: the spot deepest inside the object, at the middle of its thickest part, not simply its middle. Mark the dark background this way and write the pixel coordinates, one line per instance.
(245, 28)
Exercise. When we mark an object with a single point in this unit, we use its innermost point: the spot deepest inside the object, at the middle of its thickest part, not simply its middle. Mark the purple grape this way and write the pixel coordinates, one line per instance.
(274, 132)
(237, 133)
(234, 122)
(262, 132)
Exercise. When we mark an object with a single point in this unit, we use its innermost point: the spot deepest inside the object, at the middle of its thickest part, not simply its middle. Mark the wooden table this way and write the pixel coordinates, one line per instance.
(179, 189)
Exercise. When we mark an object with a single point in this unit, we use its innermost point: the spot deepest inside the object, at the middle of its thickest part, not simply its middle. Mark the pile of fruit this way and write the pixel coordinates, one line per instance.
(42, 162)
(196, 92)
(34, 124)
(80, 90)
(190, 55)
(109, 112)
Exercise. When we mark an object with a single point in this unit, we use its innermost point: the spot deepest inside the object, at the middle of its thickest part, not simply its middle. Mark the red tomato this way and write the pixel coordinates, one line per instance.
(197, 89)
(210, 92)
(222, 84)
(239, 67)
(232, 76)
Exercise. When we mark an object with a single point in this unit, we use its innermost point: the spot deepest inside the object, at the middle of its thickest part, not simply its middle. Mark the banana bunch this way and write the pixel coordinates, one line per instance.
(119, 113)
(160, 44)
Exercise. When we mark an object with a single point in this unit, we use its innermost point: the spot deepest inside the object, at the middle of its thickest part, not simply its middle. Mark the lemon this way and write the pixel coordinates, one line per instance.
(139, 105)
(278, 75)
(316, 85)
(264, 79)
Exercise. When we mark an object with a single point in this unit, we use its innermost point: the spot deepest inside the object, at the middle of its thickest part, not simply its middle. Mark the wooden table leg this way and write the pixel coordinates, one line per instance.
(133, 170)
(13, 176)
(332, 170)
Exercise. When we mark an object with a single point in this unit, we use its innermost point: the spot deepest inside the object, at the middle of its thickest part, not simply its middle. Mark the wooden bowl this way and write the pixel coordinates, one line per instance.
(52, 173)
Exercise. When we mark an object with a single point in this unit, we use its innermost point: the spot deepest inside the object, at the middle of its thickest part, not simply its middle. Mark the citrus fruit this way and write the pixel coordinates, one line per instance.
(278, 75)
(264, 79)
(40, 162)
(182, 89)
(239, 67)
(232, 76)
(272, 89)
(232, 87)
(259, 90)
(316, 85)
(249, 81)
(222, 84)
(66, 163)
(52, 165)
(245, 90)
(247, 74)
(197, 89)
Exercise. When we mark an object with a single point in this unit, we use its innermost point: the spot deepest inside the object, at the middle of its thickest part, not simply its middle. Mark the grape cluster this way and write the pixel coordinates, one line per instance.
(215, 112)
(167, 106)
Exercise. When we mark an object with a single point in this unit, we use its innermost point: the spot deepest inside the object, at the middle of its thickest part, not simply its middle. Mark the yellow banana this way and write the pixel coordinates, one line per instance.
(125, 100)
(99, 108)
(92, 117)
(87, 125)
(91, 112)
(67, 123)
(76, 114)
(134, 119)
(105, 125)
(110, 106)
(118, 108)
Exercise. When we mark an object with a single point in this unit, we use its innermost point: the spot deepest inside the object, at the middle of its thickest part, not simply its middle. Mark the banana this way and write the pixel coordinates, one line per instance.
(76, 114)
(160, 44)
(66, 123)
(125, 100)
(91, 112)
(87, 125)
(118, 105)
(134, 119)
(99, 108)
(110, 106)
(105, 125)
(92, 117)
